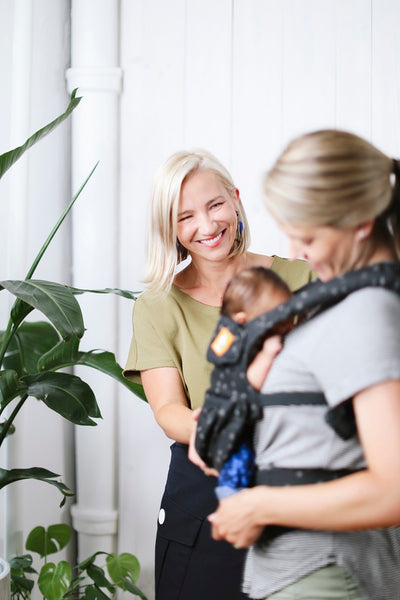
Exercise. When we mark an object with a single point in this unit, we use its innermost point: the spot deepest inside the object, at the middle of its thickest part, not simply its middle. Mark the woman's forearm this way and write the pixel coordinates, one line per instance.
(358, 501)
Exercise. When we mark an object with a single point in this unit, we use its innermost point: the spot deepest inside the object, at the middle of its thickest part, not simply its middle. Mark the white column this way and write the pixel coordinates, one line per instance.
(95, 137)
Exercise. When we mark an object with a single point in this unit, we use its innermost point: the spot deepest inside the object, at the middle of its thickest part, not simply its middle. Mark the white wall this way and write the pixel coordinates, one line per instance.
(239, 77)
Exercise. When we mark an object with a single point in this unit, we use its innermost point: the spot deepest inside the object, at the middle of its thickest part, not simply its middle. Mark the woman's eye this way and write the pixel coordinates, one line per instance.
(216, 204)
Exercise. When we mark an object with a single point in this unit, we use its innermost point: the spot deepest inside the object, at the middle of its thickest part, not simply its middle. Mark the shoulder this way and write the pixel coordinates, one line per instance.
(296, 273)
(155, 308)
(370, 306)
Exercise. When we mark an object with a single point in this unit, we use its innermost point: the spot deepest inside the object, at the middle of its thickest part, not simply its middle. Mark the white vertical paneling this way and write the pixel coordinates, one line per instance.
(152, 127)
(385, 89)
(152, 114)
(208, 70)
(308, 66)
(353, 66)
(257, 111)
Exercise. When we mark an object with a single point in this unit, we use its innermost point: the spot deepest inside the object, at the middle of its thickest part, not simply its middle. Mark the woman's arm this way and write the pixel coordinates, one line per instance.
(363, 500)
(164, 391)
(165, 394)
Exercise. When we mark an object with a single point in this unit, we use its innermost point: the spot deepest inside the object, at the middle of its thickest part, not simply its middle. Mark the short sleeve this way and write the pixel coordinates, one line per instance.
(296, 273)
(147, 350)
(358, 344)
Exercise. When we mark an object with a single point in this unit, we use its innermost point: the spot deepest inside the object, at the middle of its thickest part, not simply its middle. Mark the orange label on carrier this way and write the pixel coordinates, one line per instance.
(223, 341)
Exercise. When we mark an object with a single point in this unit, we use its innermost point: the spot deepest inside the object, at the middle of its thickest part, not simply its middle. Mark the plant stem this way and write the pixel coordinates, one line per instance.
(11, 418)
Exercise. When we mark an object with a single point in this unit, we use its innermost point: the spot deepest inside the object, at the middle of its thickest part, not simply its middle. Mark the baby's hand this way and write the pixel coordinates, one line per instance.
(272, 346)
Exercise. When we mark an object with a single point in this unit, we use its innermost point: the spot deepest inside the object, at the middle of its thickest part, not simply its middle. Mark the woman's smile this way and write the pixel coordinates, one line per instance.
(212, 242)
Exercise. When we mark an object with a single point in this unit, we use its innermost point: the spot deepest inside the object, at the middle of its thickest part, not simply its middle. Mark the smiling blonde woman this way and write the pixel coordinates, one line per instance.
(196, 213)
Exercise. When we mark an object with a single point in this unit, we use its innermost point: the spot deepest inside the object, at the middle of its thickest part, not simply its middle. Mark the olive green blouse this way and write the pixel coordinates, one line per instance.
(175, 330)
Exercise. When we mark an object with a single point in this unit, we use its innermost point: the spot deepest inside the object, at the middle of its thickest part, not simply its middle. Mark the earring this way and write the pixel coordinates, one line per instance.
(240, 224)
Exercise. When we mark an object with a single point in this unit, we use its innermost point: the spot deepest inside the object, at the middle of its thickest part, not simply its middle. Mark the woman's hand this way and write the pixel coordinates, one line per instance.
(193, 454)
(238, 519)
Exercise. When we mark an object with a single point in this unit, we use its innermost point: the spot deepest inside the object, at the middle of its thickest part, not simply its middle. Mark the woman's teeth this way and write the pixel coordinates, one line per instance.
(211, 241)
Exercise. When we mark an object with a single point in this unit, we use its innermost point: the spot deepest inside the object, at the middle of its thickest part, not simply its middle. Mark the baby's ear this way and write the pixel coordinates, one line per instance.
(239, 317)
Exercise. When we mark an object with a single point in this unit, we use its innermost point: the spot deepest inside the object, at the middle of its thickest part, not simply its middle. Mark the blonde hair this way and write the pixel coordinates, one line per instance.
(334, 178)
(163, 251)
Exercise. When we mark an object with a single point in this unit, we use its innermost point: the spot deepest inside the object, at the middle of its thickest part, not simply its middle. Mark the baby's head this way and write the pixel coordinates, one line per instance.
(253, 292)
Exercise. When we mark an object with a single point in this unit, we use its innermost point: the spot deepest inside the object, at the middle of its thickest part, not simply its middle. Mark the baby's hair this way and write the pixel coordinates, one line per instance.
(254, 284)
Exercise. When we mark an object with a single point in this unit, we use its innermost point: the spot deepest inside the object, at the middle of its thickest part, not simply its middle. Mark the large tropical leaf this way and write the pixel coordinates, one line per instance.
(105, 362)
(13, 475)
(66, 354)
(63, 354)
(124, 570)
(28, 344)
(66, 394)
(48, 541)
(54, 580)
(54, 300)
(10, 157)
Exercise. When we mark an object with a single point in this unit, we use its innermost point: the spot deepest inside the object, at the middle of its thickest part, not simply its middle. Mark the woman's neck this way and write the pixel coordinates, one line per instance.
(206, 281)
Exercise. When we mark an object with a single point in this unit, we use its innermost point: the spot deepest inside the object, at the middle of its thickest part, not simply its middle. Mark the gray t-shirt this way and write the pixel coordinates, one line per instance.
(341, 351)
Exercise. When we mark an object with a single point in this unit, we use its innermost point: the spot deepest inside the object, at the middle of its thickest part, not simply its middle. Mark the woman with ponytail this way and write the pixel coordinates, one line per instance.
(333, 493)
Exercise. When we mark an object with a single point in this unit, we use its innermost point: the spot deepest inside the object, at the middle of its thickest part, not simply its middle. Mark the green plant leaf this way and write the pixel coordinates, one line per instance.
(84, 564)
(29, 343)
(97, 574)
(133, 589)
(54, 300)
(105, 362)
(117, 291)
(10, 386)
(9, 158)
(19, 311)
(48, 541)
(12, 475)
(63, 354)
(54, 580)
(22, 563)
(92, 592)
(121, 567)
(66, 394)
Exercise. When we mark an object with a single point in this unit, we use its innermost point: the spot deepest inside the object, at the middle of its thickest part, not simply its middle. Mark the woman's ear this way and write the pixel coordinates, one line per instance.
(364, 230)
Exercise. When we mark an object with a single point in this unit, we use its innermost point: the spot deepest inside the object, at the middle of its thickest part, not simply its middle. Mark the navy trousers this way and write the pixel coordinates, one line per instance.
(190, 565)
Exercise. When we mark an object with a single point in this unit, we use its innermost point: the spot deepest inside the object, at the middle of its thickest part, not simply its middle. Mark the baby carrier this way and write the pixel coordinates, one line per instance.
(232, 406)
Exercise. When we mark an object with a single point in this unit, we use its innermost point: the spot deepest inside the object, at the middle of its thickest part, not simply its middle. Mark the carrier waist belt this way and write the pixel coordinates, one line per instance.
(281, 476)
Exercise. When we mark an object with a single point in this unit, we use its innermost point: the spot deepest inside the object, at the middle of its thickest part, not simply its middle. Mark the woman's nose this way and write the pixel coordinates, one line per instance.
(296, 250)
(206, 225)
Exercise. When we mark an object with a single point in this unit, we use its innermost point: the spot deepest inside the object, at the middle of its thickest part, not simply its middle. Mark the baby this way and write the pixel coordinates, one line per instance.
(249, 294)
